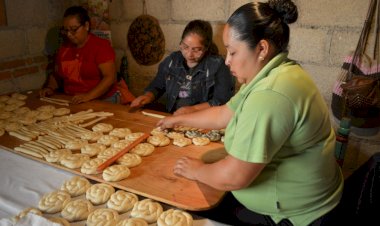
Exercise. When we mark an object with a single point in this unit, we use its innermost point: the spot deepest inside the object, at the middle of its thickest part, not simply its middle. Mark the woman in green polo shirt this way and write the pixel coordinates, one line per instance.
(280, 166)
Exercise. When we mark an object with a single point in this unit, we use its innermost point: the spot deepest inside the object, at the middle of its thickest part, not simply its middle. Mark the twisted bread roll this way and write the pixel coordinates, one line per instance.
(91, 166)
(130, 160)
(107, 140)
(147, 209)
(174, 217)
(92, 149)
(159, 140)
(56, 155)
(77, 210)
(74, 161)
(182, 142)
(103, 217)
(116, 173)
(143, 149)
(133, 136)
(121, 144)
(120, 132)
(99, 193)
(108, 153)
(91, 136)
(76, 186)
(201, 141)
(132, 222)
(122, 201)
(54, 202)
(102, 127)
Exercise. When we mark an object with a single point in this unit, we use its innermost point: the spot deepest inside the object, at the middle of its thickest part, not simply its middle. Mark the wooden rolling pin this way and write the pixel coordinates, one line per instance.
(121, 153)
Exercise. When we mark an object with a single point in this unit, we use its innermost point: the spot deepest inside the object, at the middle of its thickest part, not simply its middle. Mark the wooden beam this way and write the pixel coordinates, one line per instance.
(3, 15)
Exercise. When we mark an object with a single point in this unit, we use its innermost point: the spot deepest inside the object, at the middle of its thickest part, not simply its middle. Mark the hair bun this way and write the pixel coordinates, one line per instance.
(286, 9)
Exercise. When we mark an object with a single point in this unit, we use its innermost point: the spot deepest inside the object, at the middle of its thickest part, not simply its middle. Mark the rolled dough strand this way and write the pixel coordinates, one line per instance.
(64, 133)
(20, 136)
(33, 144)
(72, 132)
(28, 152)
(52, 146)
(92, 122)
(41, 145)
(79, 129)
(31, 132)
(61, 139)
(54, 141)
(54, 102)
(34, 148)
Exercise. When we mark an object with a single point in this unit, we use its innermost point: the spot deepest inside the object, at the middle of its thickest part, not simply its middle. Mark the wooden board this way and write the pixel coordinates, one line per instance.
(154, 177)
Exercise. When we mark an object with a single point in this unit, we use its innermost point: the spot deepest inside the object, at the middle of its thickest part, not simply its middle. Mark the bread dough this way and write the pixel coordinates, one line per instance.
(92, 149)
(54, 202)
(175, 135)
(91, 166)
(143, 149)
(201, 141)
(159, 131)
(91, 136)
(132, 222)
(116, 173)
(102, 127)
(61, 111)
(121, 144)
(122, 201)
(182, 142)
(159, 140)
(103, 217)
(133, 136)
(77, 210)
(12, 126)
(99, 193)
(213, 135)
(76, 144)
(108, 153)
(19, 96)
(120, 132)
(130, 160)
(74, 161)
(192, 134)
(46, 108)
(76, 186)
(56, 155)
(147, 209)
(22, 110)
(175, 217)
(4, 98)
(5, 114)
(44, 115)
(107, 140)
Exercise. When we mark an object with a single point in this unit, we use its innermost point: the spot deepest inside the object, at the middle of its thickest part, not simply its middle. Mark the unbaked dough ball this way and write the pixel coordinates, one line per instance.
(56, 155)
(201, 141)
(147, 209)
(54, 202)
(91, 166)
(133, 136)
(91, 136)
(92, 149)
(159, 140)
(143, 149)
(74, 161)
(107, 140)
(77, 210)
(182, 142)
(132, 222)
(116, 173)
(99, 193)
(120, 132)
(76, 186)
(174, 217)
(103, 217)
(102, 127)
(122, 201)
(130, 160)
(108, 153)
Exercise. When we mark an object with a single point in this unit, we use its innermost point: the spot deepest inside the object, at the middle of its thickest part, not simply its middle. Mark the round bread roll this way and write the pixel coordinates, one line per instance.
(121, 144)
(5, 114)
(99, 193)
(77, 210)
(120, 132)
(56, 155)
(12, 126)
(133, 136)
(132, 222)
(182, 142)
(44, 115)
(108, 153)
(59, 220)
(54, 202)
(173, 217)
(61, 111)
(46, 108)
(91, 166)
(19, 96)
(21, 111)
(158, 131)
(130, 160)
(74, 161)
(91, 136)
(4, 98)
(102, 127)
(76, 186)
(201, 141)
(116, 173)
(92, 149)
(175, 135)
(147, 209)
(159, 140)
(76, 144)
(122, 201)
(107, 140)
(143, 149)
(103, 217)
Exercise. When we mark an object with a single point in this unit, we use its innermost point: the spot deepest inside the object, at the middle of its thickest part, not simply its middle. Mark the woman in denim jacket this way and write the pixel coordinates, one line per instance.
(193, 78)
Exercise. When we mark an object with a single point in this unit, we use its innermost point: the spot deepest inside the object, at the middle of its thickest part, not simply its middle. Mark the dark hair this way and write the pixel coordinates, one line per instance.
(203, 29)
(256, 21)
(78, 11)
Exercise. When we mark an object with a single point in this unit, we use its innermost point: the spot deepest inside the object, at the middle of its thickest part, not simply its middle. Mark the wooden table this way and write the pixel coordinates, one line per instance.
(154, 177)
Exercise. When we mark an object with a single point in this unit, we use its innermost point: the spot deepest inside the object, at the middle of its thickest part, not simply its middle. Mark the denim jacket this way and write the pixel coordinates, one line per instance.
(212, 81)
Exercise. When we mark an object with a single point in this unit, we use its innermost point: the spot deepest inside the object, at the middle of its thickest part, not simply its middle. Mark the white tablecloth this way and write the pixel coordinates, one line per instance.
(25, 181)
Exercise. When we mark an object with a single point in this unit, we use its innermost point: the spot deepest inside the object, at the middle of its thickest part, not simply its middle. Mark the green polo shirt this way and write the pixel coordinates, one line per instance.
(281, 119)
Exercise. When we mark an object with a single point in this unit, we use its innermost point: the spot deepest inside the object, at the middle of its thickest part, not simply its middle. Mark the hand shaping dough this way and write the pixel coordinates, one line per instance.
(201, 141)
(102, 127)
(159, 140)
(103, 217)
(182, 142)
(122, 201)
(143, 149)
(54, 202)
(77, 210)
(120, 132)
(116, 173)
(107, 140)
(74, 161)
(132, 222)
(130, 160)
(173, 217)
(92, 149)
(91, 166)
(76, 186)
(147, 209)
(99, 193)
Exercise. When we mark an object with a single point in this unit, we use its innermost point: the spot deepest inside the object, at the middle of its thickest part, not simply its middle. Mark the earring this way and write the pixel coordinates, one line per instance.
(261, 58)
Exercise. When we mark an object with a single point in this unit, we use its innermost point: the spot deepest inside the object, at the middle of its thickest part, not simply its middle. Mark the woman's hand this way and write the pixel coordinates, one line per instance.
(167, 122)
(187, 167)
(47, 91)
(142, 100)
(81, 98)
